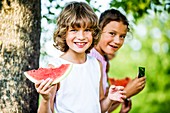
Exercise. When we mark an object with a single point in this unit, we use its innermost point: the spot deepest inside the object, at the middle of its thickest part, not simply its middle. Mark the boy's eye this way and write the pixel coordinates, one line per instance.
(88, 30)
(72, 30)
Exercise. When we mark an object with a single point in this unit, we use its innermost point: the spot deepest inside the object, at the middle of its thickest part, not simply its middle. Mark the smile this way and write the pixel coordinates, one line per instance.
(80, 44)
(113, 46)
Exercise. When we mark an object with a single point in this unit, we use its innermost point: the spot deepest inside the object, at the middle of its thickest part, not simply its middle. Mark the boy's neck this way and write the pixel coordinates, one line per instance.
(78, 58)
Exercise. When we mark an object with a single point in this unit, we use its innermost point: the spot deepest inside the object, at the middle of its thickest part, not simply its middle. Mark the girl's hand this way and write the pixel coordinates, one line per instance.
(117, 93)
(135, 86)
(126, 106)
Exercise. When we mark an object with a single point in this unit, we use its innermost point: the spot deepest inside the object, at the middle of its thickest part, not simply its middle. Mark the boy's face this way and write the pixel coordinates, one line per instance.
(112, 37)
(79, 39)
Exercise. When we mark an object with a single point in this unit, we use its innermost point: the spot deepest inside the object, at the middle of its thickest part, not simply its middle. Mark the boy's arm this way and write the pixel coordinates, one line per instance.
(105, 102)
(47, 105)
(44, 107)
(115, 95)
(53, 96)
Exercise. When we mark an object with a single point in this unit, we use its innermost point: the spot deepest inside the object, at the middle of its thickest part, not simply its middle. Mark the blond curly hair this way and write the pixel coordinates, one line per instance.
(75, 15)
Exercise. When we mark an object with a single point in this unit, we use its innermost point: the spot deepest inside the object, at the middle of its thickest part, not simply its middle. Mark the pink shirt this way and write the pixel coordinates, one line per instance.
(98, 56)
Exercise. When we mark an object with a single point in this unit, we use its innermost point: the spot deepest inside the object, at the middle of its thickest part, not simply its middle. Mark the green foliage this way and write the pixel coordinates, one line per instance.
(137, 7)
(140, 7)
(154, 55)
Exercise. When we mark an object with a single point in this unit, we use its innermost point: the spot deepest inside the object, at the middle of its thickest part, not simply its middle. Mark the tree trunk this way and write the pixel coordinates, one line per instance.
(19, 51)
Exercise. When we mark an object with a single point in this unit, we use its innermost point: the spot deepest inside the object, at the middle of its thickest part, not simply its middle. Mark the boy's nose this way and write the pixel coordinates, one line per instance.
(80, 35)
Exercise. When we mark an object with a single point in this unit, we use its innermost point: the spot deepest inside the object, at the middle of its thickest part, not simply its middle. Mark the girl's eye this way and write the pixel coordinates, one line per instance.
(112, 33)
(122, 36)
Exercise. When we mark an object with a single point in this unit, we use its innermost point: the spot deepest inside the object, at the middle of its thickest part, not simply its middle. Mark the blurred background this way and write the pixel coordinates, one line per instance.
(147, 45)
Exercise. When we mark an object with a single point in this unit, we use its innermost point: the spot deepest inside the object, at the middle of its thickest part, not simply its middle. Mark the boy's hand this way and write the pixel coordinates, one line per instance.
(117, 93)
(44, 88)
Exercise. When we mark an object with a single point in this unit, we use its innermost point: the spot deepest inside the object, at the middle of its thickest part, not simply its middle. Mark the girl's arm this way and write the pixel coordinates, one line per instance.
(113, 107)
(135, 86)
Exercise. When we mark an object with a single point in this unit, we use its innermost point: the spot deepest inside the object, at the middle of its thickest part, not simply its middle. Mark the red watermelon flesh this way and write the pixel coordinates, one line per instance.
(57, 74)
(119, 82)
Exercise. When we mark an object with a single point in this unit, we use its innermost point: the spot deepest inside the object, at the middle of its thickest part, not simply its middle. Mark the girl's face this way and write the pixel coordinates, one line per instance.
(79, 39)
(112, 38)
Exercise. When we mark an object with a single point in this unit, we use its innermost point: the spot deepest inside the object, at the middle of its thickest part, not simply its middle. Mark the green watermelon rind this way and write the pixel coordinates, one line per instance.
(31, 78)
(56, 80)
(64, 75)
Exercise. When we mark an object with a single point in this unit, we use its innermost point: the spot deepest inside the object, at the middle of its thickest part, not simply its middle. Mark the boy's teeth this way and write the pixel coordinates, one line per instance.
(80, 43)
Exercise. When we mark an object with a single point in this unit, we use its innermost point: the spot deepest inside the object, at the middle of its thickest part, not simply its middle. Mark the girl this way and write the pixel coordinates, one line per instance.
(81, 91)
(114, 27)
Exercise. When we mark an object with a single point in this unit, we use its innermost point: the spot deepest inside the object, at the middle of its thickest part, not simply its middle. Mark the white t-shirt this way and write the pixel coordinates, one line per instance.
(79, 91)
(97, 55)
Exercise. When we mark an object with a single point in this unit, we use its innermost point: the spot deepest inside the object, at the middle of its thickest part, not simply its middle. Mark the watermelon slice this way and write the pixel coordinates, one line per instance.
(57, 74)
(119, 82)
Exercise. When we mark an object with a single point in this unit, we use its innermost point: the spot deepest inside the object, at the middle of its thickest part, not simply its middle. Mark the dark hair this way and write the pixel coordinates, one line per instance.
(75, 15)
(112, 15)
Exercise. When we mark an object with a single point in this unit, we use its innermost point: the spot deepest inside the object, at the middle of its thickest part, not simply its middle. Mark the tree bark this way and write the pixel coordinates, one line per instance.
(19, 51)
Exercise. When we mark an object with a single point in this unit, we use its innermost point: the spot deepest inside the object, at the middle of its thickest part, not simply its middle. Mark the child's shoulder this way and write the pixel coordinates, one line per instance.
(92, 59)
